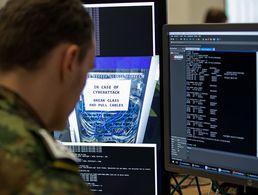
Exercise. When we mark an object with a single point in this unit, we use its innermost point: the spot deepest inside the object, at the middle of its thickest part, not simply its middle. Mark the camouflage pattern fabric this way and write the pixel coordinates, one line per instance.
(26, 165)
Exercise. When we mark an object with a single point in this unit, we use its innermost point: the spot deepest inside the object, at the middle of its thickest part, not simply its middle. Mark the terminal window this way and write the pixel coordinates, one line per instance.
(117, 168)
(220, 100)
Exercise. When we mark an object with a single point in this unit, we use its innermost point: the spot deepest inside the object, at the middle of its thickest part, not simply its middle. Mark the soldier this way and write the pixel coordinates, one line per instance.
(46, 50)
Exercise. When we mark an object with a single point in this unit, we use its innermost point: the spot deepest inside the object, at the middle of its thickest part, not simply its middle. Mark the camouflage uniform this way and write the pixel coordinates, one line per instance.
(28, 162)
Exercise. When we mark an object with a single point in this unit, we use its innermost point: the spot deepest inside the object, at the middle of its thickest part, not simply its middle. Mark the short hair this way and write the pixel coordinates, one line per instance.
(215, 15)
(30, 29)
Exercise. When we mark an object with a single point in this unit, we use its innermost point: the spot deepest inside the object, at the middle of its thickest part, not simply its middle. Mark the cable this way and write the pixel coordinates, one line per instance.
(177, 186)
(189, 183)
(198, 185)
(218, 188)
(192, 183)
(179, 189)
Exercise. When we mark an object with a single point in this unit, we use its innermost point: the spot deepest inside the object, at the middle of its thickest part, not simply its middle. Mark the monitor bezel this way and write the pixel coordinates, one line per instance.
(166, 94)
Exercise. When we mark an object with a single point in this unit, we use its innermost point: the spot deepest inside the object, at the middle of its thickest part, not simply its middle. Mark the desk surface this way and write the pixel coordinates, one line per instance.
(189, 186)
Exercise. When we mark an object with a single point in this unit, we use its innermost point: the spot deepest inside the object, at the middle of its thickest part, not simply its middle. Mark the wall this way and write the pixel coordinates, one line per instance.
(240, 11)
(2, 2)
(183, 11)
(190, 11)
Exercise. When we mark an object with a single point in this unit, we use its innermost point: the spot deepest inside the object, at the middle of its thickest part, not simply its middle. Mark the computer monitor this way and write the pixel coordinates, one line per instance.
(120, 103)
(128, 40)
(210, 101)
(117, 169)
(124, 29)
(127, 27)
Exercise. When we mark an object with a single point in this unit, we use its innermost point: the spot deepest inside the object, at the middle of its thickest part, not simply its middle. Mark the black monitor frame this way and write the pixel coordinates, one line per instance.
(166, 97)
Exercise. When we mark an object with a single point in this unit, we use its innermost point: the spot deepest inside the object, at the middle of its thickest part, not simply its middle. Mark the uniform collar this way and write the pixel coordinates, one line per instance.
(13, 103)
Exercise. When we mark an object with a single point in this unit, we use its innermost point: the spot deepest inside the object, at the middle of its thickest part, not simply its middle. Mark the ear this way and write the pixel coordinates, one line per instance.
(69, 60)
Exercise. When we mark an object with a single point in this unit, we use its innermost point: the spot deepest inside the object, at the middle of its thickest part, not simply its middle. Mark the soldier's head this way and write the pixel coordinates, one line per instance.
(30, 29)
(53, 38)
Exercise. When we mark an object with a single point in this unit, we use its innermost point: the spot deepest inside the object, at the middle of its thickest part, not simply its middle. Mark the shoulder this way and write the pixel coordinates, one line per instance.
(31, 161)
(60, 175)
(40, 164)
(54, 181)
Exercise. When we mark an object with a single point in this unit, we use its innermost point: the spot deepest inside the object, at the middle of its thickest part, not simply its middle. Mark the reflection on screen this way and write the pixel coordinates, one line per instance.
(115, 104)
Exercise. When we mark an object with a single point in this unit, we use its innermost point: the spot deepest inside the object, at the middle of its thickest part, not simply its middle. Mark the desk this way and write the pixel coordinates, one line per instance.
(189, 187)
